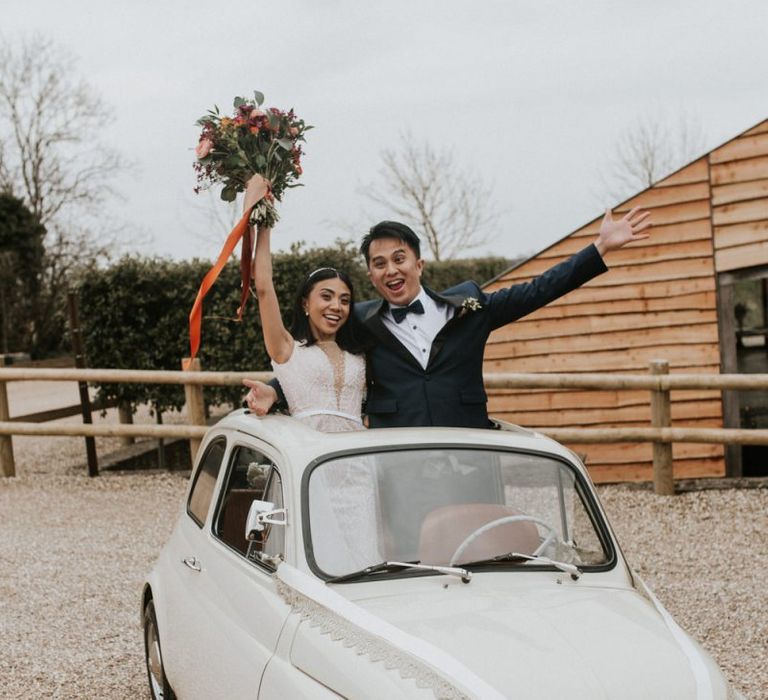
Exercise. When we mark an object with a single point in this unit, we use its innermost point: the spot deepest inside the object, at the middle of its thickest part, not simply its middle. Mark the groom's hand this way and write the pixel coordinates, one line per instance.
(615, 234)
(260, 397)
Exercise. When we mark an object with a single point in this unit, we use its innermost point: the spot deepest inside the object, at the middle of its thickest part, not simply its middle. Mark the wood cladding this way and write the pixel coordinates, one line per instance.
(740, 211)
(743, 256)
(643, 471)
(745, 170)
(658, 300)
(739, 176)
(740, 191)
(761, 128)
(745, 146)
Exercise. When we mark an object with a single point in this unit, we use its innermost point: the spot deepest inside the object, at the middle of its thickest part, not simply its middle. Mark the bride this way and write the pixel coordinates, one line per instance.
(322, 374)
(319, 366)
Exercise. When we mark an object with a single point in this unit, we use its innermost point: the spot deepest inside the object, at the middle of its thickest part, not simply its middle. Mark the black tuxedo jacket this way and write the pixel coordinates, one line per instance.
(449, 392)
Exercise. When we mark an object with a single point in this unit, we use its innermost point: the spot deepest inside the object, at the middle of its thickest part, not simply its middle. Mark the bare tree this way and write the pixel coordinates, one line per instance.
(52, 158)
(209, 219)
(649, 150)
(51, 153)
(449, 206)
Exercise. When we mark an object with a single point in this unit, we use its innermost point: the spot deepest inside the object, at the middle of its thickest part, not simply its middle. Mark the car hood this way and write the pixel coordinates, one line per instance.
(557, 638)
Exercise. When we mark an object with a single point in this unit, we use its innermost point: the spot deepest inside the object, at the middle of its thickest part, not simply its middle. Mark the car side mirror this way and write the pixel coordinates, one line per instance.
(260, 514)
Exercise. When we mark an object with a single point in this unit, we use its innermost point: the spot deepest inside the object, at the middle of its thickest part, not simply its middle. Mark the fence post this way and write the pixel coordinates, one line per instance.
(126, 418)
(160, 441)
(7, 463)
(661, 417)
(85, 399)
(193, 393)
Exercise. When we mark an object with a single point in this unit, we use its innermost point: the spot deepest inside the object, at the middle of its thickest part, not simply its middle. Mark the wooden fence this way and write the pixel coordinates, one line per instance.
(658, 382)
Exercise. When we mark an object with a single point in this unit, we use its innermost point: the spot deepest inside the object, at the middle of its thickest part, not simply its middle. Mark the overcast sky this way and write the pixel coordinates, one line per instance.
(532, 94)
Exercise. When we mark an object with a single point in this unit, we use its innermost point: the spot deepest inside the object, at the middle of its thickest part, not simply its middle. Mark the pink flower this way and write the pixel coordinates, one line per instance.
(255, 113)
(203, 148)
(293, 132)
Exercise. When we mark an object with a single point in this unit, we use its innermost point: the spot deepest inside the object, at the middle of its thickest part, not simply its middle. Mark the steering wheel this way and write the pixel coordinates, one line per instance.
(469, 539)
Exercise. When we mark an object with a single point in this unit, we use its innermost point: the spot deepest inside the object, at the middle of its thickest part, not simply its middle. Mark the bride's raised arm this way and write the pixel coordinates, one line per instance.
(277, 339)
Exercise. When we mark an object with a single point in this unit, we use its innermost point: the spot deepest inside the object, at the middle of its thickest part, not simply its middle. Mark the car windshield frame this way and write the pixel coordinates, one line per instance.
(584, 490)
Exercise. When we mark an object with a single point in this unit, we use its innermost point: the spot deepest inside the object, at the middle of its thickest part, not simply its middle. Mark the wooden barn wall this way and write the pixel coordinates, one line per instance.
(739, 172)
(658, 300)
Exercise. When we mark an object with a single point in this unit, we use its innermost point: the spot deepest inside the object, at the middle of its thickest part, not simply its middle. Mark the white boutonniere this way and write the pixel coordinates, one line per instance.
(469, 304)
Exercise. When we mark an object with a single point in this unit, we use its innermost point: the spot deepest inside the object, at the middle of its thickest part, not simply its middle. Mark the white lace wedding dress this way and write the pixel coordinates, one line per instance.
(324, 387)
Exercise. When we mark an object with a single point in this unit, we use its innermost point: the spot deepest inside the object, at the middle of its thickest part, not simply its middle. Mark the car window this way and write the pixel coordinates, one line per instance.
(450, 506)
(205, 481)
(252, 476)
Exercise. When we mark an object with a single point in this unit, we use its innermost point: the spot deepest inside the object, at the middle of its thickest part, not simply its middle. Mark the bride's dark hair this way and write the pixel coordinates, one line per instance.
(300, 329)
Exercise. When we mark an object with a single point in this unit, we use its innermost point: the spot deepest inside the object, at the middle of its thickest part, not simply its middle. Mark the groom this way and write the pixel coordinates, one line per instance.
(425, 349)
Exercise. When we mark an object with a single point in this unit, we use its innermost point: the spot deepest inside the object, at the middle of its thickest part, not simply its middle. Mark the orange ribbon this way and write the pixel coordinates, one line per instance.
(242, 231)
(196, 315)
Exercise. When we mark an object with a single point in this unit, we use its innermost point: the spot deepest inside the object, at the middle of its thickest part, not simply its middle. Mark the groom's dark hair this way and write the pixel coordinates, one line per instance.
(390, 229)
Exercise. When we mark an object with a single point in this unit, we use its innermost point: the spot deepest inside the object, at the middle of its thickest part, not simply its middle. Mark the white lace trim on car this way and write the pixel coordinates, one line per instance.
(371, 636)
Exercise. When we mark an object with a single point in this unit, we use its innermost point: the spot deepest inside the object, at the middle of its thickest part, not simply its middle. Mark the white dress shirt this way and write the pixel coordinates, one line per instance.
(417, 331)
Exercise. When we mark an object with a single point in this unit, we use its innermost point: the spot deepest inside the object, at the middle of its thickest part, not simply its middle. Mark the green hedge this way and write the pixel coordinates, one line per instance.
(446, 273)
(21, 270)
(134, 315)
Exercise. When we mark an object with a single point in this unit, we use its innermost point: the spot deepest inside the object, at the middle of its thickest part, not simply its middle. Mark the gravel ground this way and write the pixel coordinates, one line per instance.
(704, 554)
(73, 555)
(74, 552)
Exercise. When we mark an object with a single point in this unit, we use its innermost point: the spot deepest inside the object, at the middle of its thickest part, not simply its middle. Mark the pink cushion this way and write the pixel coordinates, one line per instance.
(445, 528)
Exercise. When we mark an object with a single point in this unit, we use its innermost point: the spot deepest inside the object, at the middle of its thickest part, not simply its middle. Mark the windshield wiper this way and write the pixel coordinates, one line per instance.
(463, 574)
(571, 569)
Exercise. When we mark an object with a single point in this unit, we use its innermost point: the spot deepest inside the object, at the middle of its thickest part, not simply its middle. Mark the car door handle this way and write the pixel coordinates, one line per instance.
(193, 563)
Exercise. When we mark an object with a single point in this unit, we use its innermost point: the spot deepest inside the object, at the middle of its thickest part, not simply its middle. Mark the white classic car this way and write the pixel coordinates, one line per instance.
(403, 563)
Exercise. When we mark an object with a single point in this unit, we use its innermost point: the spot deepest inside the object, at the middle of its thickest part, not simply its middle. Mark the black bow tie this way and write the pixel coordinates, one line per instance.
(415, 307)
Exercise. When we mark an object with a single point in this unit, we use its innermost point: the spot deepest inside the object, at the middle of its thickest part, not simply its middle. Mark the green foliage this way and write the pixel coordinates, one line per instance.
(21, 265)
(135, 315)
(132, 316)
(443, 274)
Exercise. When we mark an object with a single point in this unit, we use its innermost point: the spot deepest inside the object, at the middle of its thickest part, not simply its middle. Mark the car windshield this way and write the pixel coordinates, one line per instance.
(448, 506)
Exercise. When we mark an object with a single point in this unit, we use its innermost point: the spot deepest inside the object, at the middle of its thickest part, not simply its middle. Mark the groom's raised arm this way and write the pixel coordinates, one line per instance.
(514, 302)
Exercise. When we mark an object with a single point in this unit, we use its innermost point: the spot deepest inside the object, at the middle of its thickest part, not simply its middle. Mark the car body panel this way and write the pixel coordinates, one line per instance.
(604, 638)
(226, 631)
(503, 631)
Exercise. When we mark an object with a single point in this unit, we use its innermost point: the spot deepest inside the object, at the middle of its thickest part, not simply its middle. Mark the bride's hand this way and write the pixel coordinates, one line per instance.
(260, 397)
(254, 192)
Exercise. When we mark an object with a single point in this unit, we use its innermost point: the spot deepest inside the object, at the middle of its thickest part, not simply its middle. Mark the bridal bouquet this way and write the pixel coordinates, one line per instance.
(231, 150)
(251, 141)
